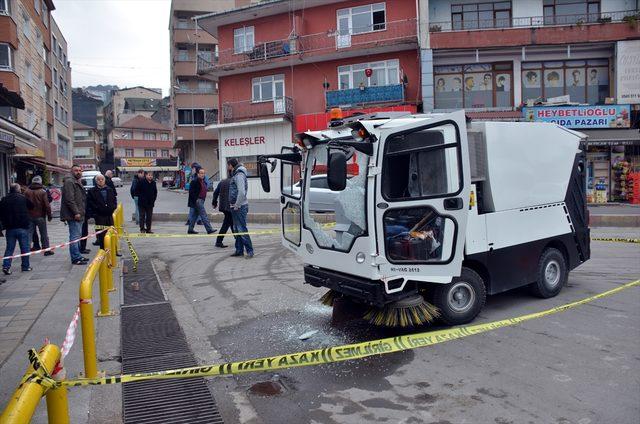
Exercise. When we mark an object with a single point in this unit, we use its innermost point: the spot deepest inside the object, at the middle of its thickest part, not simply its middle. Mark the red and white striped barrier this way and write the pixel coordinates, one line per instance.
(57, 246)
(70, 336)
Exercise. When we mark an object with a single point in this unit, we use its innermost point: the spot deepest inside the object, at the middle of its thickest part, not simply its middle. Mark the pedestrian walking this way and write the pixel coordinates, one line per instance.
(107, 177)
(147, 193)
(239, 205)
(73, 210)
(134, 184)
(193, 213)
(39, 215)
(85, 224)
(14, 214)
(197, 198)
(101, 202)
(221, 201)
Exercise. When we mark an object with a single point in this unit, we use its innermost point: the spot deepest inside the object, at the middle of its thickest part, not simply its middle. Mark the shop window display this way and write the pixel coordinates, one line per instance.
(477, 86)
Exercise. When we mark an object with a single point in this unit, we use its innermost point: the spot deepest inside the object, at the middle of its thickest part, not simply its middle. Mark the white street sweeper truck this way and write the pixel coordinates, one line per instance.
(422, 216)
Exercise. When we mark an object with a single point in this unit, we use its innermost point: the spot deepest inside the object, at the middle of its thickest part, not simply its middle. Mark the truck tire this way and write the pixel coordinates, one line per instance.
(552, 274)
(461, 300)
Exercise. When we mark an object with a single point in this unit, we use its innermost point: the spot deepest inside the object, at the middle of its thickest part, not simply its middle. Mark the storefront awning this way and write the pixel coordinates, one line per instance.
(613, 136)
(148, 168)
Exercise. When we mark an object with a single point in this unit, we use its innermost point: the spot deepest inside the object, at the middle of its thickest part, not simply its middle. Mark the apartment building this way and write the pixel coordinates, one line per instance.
(141, 142)
(60, 97)
(571, 62)
(282, 65)
(87, 146)
(194, 97)
(26, 72)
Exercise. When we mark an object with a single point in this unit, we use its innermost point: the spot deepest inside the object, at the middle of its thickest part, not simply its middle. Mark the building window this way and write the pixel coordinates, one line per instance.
(183, 23)
(55, 77)
(45, 14)
(205, 87)
(584, 81)
(127, 135)
(183, 55)
(128, 153)
(149, 136)
(49, 132)
(83, 152)
(361, 19)
(165, 153)
(386, 72)
(28, 73)
(54, 46)
(149, 153)
(473, 86)
(481, 15)
(26, 27)
(190, 116)
(63, 147)
(267, 88)
(164, 136)
(206, 53)
(36, 6)
(5, 7)
(567, 12)
(6, 56)
(82, 135)
(243, 39)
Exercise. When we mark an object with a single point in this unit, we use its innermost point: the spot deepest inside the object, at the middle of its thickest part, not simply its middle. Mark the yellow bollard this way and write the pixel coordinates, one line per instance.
(25, 399)
(112, 262)
(86, 316)
(106, 280)
(115, 242)
(58, 406)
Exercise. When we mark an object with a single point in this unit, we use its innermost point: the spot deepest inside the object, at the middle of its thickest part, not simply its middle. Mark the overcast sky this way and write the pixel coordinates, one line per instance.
(122, 42)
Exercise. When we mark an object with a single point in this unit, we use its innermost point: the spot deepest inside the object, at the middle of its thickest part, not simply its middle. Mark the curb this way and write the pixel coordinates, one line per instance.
(614, 220)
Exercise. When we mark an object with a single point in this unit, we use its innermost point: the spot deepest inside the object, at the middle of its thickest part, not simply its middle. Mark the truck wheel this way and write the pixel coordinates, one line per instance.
(461, 300)
(552, 274)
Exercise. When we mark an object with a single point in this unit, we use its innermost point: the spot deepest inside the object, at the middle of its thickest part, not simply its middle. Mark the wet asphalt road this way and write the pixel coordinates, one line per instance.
(581, 366)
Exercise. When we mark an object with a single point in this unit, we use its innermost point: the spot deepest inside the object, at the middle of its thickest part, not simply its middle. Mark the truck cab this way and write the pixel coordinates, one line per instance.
(415, 211)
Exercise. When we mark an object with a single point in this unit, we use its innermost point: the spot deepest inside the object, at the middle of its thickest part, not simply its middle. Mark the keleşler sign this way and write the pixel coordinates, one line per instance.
(612, 116)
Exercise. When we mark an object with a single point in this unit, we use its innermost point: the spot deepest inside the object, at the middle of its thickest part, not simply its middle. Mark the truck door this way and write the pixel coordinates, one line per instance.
(422, 199)
(291, 191)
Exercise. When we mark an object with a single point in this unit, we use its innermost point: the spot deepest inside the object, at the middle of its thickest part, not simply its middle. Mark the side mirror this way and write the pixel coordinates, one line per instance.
(264, 177)
(337, 170)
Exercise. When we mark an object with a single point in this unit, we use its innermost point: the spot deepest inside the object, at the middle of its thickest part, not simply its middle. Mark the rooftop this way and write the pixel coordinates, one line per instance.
(143, 123)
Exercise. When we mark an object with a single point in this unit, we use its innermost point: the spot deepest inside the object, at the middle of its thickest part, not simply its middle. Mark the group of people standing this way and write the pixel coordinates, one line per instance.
(144, 193)
(23, 211)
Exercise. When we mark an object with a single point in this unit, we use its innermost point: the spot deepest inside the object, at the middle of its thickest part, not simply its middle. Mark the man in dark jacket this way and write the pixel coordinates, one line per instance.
(134, 184)
(72, 211)
(39, 215)
(221, 201)
(15, 220)
(197, 197)
(101, 202)
(107, 178)
(147, 193)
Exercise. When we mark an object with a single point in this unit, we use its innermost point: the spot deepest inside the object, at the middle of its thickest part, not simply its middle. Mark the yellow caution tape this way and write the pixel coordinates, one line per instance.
(325, 355)
(132, 251)
(617, 239)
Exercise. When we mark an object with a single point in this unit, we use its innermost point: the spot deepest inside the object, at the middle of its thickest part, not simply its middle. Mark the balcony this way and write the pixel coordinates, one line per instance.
(530, 30)
(380, 38)
(190, 36)
(248, 110)
(365, 95)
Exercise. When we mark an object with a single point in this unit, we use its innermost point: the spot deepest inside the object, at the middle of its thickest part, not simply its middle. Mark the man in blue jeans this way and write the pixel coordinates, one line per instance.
(15, 220)
(72, 211)
(197, 197)
(239, 206)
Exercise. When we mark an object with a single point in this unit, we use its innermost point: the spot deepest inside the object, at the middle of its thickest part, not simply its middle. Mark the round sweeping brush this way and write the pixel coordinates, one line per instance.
(328, 298)
(409, 312)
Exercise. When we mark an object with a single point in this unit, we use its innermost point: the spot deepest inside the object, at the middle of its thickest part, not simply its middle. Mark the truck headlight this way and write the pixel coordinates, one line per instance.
(360, 257)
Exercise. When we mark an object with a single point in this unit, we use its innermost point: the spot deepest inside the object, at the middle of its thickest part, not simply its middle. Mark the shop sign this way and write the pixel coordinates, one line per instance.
(613, 116)
(244, 141)
(628, 71)
(6, 137)
(88, 167)
(141, 162)
(56, 196)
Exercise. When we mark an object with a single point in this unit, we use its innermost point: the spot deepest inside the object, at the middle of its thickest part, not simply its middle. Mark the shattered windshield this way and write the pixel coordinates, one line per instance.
(335, 218)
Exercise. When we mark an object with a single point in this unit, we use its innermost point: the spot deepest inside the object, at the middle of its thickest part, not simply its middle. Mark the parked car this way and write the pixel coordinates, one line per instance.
(117, 181)
(322, 198)
(167, 181)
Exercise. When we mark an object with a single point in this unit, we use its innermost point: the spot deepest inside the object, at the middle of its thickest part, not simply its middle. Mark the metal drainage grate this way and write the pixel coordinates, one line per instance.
(152, 340)
(151, 330)
(147, 289)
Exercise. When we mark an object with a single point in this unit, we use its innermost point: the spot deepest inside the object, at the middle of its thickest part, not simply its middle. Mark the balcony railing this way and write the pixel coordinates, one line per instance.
(198, 90)
(383, 34)
(535, 21)
(366, 95)
(248, 110)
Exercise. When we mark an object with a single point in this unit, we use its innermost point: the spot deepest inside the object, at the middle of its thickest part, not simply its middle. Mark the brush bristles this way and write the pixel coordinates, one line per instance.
(328, 298)
(411, 316)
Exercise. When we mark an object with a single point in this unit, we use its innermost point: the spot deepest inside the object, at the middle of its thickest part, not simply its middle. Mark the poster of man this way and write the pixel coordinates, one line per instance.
(487, 82)
(576, 77)
(440, 85)
(532, 79)
(503, 82)
(553, 78)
